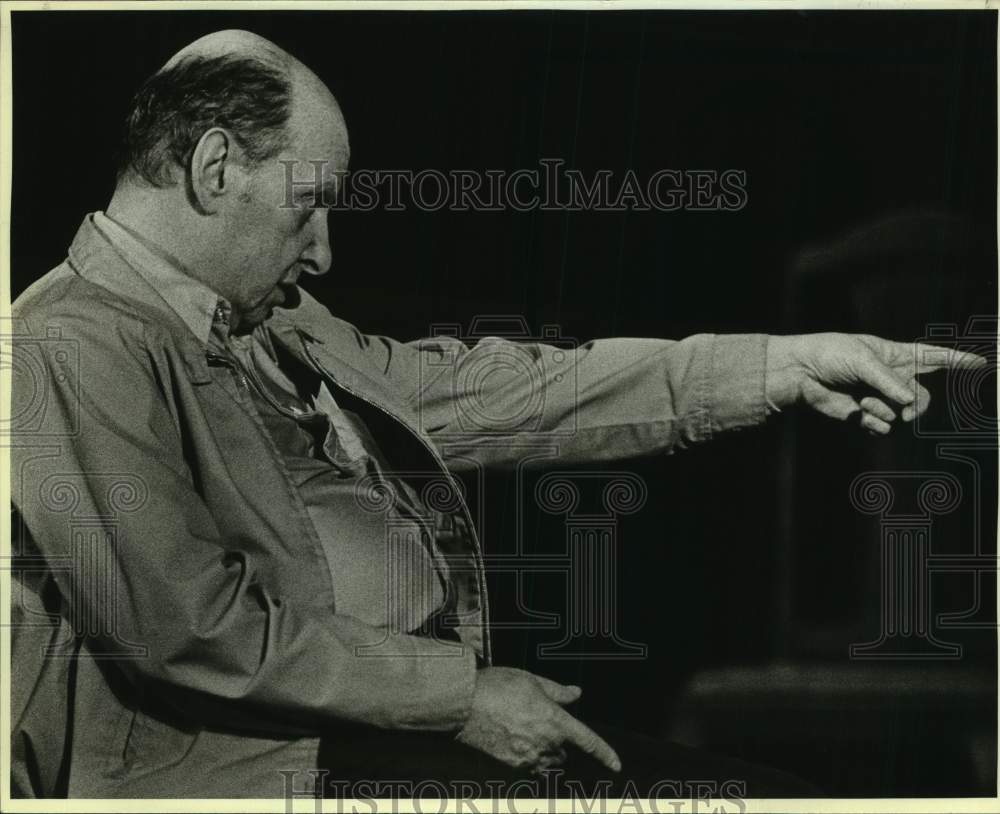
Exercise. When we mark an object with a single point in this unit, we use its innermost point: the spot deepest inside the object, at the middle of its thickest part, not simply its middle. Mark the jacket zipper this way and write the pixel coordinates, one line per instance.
(477, 549)
(215, 359)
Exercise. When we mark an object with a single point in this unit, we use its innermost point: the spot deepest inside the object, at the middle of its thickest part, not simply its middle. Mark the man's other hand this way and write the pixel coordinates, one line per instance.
(518, 718)
(846, 375)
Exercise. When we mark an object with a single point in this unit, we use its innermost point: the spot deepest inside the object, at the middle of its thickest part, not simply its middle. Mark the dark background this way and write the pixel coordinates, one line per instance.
(869, 143)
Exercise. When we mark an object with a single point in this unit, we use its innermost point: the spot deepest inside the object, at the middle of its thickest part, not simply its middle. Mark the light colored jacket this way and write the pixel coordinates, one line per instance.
(175, 628)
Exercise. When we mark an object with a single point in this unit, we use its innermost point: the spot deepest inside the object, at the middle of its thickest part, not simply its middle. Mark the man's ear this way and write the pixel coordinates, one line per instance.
(211, 168)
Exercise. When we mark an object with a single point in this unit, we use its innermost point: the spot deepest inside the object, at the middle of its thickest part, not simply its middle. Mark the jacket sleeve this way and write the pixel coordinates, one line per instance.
(103, 486)
(604, 400)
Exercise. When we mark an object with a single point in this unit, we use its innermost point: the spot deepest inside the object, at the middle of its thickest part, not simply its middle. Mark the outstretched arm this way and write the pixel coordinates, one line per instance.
(518, 718)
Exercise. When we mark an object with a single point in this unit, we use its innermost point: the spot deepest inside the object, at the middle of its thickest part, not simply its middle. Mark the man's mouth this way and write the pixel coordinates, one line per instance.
(289, 294)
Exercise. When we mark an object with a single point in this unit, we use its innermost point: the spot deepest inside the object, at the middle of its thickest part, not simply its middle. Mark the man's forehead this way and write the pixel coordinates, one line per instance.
(320, 157)
(318, 127)
(322, 139)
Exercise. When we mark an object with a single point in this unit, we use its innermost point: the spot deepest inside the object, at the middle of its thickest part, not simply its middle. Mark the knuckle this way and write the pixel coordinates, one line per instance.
(551, 711)
(523, 751)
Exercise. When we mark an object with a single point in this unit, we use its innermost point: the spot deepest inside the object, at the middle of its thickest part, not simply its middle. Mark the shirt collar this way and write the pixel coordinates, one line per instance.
(193, 301)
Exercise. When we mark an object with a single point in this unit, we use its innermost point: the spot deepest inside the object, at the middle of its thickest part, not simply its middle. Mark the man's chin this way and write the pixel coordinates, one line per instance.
(283, 297)
(246, 321)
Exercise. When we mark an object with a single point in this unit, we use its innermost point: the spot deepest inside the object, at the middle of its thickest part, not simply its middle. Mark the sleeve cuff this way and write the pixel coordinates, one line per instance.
(735, 388)
(448, 681)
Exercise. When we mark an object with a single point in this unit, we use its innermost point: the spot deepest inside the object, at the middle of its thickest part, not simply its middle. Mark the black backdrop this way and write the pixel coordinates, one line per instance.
(747, 550)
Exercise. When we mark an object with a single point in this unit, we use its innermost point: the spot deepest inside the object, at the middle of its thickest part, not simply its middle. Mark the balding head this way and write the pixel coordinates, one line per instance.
(233, 42)
(216, 143)
(232, 79)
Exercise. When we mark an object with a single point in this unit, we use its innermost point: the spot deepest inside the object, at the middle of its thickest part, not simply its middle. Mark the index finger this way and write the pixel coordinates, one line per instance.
(934, 357)
(589, 741)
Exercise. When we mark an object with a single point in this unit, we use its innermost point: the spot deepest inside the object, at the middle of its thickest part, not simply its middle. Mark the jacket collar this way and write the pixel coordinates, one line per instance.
(192, 300)
(306, 340)
(97, 256)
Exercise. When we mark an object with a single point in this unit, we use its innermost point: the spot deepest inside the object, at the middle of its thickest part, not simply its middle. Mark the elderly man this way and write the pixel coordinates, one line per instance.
(229, 607)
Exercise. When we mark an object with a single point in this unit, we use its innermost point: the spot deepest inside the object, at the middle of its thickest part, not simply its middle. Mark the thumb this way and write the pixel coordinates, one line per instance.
(560, 693)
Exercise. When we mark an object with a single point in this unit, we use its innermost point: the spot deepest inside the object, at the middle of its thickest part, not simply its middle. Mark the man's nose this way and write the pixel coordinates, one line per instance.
(317, 256)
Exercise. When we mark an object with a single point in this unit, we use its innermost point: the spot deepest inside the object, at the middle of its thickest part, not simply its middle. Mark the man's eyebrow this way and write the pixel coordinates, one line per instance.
(325, 192)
